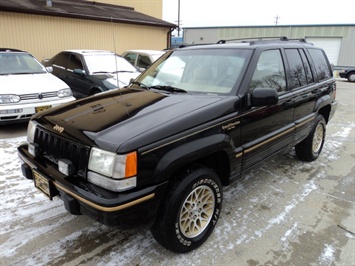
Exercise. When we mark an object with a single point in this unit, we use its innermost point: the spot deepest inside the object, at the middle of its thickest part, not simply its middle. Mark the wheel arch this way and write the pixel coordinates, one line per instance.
(211, 152)
(323, 105)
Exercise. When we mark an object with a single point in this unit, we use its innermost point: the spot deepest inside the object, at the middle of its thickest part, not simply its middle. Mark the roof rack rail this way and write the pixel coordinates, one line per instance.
(281, 38)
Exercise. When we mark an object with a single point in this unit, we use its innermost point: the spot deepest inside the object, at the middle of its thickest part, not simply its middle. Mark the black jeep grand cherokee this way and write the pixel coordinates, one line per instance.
(158, 151)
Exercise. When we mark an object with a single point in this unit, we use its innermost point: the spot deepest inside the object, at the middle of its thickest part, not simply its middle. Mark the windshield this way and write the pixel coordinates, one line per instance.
(107, 63)
(208, 71)
(19, 63)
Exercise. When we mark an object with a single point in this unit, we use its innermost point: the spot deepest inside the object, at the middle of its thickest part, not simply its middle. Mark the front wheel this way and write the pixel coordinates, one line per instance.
(310, 148)
(190, 211)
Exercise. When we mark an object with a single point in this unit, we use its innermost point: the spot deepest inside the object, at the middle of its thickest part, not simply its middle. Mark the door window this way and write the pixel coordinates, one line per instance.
(143, 61)
(297, 73)
(61, 60)
(75, 63)
(269, 72)
(131, 58)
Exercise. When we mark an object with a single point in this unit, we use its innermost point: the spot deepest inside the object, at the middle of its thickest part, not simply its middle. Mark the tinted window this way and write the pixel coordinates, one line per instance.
(131, 58)
(143, 61)
(307, 67)
(297, 72)
(61, 60)
(269, 72)
(321, 64)
(75, 62)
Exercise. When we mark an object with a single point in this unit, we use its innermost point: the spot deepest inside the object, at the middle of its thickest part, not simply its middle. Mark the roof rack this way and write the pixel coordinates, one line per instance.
(252, 40)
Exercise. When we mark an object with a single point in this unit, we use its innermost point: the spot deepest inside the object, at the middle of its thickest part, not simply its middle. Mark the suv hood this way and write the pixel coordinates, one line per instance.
(123, 120)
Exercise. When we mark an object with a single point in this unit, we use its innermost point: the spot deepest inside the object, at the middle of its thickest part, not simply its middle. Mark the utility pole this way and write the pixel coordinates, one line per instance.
(276, 19)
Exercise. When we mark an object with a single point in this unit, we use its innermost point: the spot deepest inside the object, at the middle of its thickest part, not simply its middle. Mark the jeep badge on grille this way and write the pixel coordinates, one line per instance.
(58, 128)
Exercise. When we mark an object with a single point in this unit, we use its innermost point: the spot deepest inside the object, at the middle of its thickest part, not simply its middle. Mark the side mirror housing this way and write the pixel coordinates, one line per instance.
(263, 97)
(79, 71)
(49, 69)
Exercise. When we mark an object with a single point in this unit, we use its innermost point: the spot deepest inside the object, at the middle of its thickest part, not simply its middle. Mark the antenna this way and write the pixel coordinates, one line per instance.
(276, 19)
(114, 50)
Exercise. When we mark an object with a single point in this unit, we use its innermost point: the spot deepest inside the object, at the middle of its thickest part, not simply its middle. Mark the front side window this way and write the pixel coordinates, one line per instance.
(61, 60)
(143, 61)
(75, 62)
(131, 57)
(323, 70)
(204, 71)
(269, 72)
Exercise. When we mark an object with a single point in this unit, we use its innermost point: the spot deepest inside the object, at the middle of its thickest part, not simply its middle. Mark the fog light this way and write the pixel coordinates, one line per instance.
(33, 149)
(66, 167)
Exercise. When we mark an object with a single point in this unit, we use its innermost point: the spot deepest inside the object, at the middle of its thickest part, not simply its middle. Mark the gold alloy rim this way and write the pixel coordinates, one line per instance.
(318, 138)
(197, 211)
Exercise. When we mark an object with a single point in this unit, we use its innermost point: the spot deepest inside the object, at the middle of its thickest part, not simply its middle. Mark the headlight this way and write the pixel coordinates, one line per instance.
(64, 93)
(31, 129)
(9, 98)
(113, 165)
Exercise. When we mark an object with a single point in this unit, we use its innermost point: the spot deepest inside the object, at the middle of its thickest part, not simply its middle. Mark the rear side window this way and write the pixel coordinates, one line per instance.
(321, 64)
(300, 74)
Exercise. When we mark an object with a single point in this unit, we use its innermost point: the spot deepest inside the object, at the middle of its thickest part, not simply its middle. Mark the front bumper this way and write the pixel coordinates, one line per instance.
(125, 210)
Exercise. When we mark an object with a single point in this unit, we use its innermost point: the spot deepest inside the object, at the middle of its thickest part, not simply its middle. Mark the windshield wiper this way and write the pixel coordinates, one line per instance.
(140, 84)
(167, 88)
(122, 71)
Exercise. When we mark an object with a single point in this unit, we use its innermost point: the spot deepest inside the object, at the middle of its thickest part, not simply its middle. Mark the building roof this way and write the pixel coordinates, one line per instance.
(82, 9)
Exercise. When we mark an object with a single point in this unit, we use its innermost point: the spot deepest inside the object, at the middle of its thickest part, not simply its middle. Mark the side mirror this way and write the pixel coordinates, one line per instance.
(263, 97)
(49, 69)
(79, 71)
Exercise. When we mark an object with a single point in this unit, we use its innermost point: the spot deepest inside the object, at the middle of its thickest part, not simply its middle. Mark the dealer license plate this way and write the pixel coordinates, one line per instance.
(44, 184)
(42, 108)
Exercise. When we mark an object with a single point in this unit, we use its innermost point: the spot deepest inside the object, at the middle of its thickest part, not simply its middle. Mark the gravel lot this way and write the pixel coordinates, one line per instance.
(283, 212)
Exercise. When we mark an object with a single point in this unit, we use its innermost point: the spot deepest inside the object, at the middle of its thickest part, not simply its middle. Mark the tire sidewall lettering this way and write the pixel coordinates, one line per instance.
(218, 195)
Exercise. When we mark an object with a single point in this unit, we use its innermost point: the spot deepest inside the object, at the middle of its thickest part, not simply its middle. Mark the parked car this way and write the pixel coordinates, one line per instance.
(88, 72)
(27, 87)
(348, 73)
(142, 59)
(158, 151)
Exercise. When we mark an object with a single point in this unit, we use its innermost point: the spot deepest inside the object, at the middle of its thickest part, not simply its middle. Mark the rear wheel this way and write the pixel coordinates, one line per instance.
(310, 148)
(351, 77)
(190, 211)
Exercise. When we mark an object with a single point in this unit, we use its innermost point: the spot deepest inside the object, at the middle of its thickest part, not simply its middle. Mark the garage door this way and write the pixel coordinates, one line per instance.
(331, 47)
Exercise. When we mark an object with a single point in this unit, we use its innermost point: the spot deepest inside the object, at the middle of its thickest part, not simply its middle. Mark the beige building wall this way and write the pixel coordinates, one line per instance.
(152, 8)
(44, 36)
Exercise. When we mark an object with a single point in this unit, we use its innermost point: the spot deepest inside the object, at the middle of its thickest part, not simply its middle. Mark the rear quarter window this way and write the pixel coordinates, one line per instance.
(321, 64)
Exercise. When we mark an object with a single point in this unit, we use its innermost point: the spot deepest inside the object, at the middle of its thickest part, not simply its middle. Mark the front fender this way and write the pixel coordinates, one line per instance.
(190, 152)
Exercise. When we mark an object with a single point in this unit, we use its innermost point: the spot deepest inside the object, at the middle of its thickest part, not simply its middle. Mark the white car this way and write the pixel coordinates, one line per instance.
(27, 87)
(142, 59)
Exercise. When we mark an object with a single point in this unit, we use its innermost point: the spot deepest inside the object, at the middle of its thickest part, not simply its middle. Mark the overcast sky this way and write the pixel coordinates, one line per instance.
(199, 13)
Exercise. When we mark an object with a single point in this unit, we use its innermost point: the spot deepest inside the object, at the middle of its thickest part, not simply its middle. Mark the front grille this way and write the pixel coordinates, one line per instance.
(54, 148)
(38, 95)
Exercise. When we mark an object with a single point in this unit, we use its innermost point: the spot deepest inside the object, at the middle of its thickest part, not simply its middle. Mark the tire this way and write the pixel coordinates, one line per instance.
(351, 77)
(310, 148)
(190, 211)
